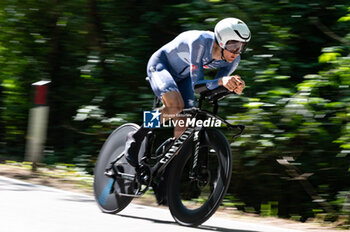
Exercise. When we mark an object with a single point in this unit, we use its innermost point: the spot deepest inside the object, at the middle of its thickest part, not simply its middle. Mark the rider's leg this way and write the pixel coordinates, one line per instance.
(173, 105)
(164, 86)
(133, 144)
(179, 129)
(187, 94)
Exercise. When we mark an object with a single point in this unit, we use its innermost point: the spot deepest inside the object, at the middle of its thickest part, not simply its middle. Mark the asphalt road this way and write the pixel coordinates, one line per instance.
(26, 207)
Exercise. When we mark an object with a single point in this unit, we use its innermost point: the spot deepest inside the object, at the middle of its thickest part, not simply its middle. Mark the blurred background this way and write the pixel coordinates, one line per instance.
(292, 161)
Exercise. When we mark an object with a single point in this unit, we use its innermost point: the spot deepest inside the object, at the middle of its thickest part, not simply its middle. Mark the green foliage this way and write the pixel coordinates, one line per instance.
(270, 209)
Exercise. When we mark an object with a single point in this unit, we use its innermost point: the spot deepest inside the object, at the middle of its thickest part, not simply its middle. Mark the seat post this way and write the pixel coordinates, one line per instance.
(200, 100)
(215, 107)
(156, 102)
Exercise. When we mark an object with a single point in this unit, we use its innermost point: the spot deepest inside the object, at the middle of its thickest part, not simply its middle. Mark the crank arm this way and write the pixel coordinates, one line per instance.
(129, 195)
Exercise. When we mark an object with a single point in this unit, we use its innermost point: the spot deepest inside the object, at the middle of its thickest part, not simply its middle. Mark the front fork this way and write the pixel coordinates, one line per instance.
(200, 158)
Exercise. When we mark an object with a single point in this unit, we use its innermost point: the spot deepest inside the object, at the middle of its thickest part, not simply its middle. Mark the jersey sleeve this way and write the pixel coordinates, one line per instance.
(196, 65)
(229, 69)
(223, 71)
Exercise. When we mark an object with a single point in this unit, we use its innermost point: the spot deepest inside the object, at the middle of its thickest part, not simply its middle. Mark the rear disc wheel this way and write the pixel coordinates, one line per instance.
(107, 189)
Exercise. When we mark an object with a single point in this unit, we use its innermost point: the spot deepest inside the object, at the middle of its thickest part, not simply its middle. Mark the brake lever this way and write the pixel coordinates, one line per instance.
(239, 127)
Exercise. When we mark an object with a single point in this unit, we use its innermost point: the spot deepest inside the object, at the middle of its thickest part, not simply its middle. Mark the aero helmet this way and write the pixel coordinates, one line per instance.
(231, 29)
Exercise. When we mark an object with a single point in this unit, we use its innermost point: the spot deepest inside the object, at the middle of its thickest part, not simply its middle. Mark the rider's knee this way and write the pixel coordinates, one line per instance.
(173, 102)
(175, 108)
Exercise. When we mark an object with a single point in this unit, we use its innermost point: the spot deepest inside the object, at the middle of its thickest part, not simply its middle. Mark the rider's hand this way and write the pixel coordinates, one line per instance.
(233, 83)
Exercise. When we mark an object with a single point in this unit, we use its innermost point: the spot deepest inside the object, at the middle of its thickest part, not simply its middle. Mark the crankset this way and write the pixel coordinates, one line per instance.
(139, 182)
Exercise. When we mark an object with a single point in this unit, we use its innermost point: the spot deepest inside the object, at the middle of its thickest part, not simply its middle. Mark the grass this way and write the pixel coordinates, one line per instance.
(54, 175)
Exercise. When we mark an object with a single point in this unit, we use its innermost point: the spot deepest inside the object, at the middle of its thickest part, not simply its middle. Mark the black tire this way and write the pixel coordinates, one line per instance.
(112, 148)
(181, 188)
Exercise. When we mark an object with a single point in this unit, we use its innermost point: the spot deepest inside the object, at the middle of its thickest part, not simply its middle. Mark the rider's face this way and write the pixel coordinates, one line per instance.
(229, 56)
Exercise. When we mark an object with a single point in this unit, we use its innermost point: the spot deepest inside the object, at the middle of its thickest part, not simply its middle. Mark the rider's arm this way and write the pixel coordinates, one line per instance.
(196, 65)
(232, 83)
(223, 71)
(227, 70)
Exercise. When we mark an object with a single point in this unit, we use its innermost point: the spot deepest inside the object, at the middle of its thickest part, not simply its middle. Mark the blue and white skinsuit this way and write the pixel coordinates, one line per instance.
(180, 64)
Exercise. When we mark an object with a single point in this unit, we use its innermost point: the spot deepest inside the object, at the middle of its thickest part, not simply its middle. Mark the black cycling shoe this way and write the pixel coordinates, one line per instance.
(133, 144)
(132, 147)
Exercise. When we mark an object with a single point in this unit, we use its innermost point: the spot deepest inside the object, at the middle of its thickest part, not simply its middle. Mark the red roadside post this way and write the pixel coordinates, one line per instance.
(37, 124)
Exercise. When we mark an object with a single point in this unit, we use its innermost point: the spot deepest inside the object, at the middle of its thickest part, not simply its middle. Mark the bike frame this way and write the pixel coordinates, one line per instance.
(197, 133)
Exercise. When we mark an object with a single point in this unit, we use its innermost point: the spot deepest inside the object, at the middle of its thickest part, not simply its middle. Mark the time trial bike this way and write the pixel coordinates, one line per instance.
(190, 174)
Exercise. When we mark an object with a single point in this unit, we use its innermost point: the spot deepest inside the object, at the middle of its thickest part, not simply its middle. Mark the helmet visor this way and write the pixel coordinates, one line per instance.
(235, 47)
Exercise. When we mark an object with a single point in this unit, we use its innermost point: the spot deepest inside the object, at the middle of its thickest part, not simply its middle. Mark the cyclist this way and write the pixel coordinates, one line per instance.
(178, 65)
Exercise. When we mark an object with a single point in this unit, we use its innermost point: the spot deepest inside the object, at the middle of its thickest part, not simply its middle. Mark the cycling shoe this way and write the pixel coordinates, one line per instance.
(132, 147)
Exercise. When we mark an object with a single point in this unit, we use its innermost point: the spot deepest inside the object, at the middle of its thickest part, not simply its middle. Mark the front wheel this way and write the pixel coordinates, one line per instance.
(190, 201)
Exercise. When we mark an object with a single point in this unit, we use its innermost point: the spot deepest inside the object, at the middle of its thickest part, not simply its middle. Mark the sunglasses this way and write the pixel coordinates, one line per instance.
(235, 47)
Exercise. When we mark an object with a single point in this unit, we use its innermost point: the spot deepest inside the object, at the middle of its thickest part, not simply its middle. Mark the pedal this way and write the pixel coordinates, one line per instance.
(114, 173)
(138, 192)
